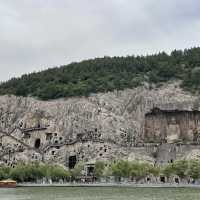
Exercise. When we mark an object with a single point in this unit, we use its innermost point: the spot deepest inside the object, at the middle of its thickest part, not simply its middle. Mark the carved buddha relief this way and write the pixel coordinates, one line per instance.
(173, 131)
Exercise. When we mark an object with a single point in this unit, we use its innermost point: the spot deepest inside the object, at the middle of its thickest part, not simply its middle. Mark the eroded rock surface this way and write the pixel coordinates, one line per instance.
(158, 126)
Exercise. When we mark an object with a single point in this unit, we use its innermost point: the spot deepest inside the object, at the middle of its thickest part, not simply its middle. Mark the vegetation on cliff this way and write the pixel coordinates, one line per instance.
(107, 74)
(184, 169)
(34, 172)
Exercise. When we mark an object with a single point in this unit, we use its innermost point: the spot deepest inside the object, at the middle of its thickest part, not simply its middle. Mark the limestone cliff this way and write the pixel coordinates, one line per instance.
(157, 125)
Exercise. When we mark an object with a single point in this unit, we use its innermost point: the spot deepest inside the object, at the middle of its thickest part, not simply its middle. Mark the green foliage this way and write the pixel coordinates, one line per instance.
(107, 74)
(139, 170)
(183, 169)
(192, 79)
(34, 172)
(154, 170)
(99, 169)
(4, 172)
(134, 169)
(77, 171)
(194, 169)
(56, 173)
(107, 170)
(121, 168)
(168, 171)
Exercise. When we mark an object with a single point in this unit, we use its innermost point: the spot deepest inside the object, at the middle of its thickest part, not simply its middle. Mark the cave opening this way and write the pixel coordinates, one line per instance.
(176, 180)
(162, 179)
(72, 162)
(90, 170)
(37, 143)
(49, 136)
(148, 179)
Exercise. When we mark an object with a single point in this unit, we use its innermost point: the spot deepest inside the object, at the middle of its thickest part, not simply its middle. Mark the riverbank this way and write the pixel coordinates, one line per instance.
(110, 185)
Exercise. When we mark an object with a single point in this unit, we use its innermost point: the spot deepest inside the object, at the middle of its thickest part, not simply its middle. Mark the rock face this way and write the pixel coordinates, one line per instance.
(157, 125)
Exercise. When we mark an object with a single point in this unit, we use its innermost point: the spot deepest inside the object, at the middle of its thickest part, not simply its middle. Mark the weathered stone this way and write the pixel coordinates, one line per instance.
(158, 126)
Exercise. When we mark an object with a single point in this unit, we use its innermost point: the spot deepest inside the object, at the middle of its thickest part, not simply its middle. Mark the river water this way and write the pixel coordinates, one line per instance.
(87, 193)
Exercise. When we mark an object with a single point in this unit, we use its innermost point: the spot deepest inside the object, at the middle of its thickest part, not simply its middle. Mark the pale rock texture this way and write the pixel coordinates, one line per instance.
(158, 126)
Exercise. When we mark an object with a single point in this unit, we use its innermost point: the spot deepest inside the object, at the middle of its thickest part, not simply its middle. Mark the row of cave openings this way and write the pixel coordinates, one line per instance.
(71, 161)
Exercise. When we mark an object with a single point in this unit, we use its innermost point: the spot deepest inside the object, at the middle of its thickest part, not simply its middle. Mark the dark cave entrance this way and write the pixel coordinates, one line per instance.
(72, 162)
(162, 179)
(176, 180)
(37, 143)
(90, 170)
(148, 179)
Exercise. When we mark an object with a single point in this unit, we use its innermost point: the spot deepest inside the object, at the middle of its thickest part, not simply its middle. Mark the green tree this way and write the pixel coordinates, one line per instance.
(4, 172)
(77, 171)
(121, 169)
(139, 170)
(99, 168)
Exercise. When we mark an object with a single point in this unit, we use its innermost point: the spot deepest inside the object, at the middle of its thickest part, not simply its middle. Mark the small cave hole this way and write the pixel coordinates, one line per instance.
(176, 180)
(90, 170)
(37, 143)
(162, 179)
(39, 126)
(72, 162)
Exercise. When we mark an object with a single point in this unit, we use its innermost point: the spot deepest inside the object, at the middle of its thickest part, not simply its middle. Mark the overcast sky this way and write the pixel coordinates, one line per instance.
(37, 34)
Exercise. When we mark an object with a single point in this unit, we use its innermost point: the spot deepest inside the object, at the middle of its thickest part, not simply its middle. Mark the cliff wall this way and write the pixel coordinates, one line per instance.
(156, 125)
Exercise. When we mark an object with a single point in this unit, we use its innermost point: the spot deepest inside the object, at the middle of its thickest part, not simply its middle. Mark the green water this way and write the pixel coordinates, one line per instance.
(100, 193)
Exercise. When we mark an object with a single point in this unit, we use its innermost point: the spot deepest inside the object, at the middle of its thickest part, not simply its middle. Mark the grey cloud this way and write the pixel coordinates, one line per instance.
(37, 34)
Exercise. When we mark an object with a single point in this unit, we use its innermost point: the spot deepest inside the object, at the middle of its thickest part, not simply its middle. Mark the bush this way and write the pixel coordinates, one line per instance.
(183, 169)
(99, 169)
(77, 171)
(4, 172)
(121, 168)
(34, 172)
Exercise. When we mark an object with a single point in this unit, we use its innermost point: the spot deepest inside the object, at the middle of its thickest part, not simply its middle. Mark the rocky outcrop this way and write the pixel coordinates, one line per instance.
(135, 124)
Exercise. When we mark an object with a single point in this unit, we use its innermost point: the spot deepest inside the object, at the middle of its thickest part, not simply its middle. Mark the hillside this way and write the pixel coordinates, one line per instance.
(107, 74)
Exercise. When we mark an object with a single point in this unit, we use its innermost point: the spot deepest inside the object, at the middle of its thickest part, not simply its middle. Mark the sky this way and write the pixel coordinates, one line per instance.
(39, 34)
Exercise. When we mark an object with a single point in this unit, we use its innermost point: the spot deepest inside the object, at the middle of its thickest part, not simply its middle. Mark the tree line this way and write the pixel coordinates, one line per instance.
(102, 169)
(108, 74)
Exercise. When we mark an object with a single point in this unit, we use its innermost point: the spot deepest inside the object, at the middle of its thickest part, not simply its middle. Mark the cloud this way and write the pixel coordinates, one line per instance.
(38, 34)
